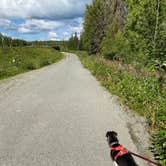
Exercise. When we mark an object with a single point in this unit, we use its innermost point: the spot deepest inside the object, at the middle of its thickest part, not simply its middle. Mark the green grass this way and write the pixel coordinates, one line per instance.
(21, 59)
(143, 92)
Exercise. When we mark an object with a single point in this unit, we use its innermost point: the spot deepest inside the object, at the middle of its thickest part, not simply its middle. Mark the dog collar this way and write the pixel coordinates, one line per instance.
(114, 143)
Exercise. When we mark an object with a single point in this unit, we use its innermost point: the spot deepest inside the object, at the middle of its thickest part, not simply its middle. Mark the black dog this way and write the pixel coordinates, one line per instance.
(118, 153)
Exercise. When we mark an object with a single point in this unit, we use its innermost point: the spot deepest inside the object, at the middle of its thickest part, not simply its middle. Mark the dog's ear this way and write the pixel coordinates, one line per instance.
(107, 134)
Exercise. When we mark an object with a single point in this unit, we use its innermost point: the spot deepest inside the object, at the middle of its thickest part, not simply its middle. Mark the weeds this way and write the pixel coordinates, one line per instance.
(22, 59)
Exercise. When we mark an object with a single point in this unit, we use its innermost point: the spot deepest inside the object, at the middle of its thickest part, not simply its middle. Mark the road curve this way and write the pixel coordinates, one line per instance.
(58, 116)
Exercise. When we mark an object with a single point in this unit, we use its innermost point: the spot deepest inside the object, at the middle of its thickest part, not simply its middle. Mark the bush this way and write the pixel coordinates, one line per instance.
(116, 47)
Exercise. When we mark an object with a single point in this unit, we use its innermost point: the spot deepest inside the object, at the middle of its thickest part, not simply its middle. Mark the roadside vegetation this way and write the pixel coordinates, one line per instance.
(124, 44)
(16, 60)
(142, 89)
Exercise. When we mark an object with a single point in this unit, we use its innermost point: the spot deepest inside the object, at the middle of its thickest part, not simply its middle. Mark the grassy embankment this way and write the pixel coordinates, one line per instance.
(142, 89)
(21, 59)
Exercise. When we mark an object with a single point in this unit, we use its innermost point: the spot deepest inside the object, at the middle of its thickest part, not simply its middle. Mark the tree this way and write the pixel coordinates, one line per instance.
(73, 43)
(2, 40)
(93, 27)
(145, 28)
(99, 17)
(9, 42)
(114, 43)
(140, 24)
(19, 43)
(160, 31)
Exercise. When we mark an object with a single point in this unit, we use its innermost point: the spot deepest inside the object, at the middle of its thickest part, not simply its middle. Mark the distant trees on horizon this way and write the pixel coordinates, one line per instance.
(6, 41)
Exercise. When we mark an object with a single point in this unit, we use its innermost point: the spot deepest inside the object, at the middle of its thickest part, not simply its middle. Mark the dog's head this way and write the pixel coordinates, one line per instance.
(111, 137)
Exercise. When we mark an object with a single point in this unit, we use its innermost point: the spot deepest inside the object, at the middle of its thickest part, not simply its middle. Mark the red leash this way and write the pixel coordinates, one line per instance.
(145, 158)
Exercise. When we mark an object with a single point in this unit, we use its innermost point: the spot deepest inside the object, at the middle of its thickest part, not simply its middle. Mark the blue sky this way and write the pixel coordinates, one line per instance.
(41, 19)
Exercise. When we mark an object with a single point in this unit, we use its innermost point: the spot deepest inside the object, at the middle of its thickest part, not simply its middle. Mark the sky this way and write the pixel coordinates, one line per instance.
(41, 19)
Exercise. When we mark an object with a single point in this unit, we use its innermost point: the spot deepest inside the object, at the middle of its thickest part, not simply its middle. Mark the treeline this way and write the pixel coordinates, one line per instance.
(61, 44)
(126, 29)
(6, 41)
(74, 42)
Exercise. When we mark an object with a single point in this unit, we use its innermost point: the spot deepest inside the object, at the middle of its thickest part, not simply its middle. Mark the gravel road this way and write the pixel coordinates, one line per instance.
(58, 116)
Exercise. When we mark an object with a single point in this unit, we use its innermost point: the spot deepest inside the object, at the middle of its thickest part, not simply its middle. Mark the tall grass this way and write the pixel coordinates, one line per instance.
(22, 59)
(144, 92)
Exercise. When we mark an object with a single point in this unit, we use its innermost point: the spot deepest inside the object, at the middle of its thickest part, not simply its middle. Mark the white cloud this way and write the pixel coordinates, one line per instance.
(42, 17)
(65, 33)
(35, 26)
(53, 36)
(25, 30)
(42, 9)
(4, 34)
(43, 24)
(7, 24)
(77, 27)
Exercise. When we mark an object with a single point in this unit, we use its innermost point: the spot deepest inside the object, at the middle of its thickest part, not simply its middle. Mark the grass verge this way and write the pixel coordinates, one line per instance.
(144, 92)
(22, 59)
